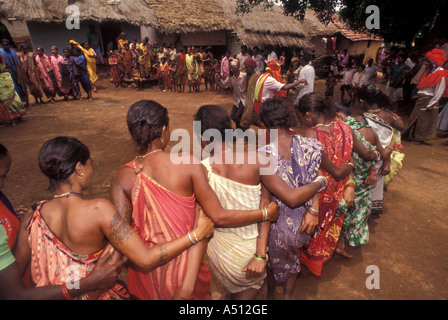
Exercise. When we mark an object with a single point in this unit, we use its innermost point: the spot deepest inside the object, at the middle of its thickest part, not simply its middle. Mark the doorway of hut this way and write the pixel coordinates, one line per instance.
(109, 33)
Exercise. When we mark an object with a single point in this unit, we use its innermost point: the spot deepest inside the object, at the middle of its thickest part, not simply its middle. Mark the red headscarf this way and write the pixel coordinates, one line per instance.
(274, 69)
(428, 81)
(437, 56)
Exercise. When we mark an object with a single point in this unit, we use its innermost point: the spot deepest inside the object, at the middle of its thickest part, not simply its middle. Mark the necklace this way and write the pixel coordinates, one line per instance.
(377, 110)
(324, 125)
(144, 156)
(288, 136)
(68, 194)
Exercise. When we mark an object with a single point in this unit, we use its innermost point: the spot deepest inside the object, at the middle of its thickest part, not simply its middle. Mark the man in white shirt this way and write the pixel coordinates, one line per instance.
(370, 73)
(268, 86)
(307, 76)
(347, 79)
(242, 56)
(258, 58)
(238, 81)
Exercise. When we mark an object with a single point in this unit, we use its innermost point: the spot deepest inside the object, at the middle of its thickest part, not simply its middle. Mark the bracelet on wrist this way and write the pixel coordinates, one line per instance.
(312, 213)
(259, 258)
(191, 239)
(180, 294)
(65, 292)
(316, 212)
(265, 214)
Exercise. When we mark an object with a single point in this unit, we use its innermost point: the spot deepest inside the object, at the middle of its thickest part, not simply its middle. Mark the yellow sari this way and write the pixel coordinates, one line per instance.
(90, 56)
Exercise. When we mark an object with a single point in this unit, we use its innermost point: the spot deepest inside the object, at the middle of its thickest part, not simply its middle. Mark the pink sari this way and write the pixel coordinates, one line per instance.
(160, 216)
(56, 64)
(45, 71)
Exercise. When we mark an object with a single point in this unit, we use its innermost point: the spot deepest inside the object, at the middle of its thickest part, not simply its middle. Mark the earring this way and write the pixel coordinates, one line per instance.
(162, 140)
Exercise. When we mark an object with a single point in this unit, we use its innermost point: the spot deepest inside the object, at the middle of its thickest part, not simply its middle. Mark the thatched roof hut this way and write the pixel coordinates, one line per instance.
(189, 16)
(263, 27)
(315, 28)
(135, 12)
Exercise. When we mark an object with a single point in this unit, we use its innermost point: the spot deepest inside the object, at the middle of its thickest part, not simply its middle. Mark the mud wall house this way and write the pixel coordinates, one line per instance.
(189, 23)
(319, 34)
(357, 43)
(46, 20)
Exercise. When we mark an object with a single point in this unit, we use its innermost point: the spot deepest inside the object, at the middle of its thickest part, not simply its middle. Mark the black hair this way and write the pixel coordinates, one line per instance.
(373, 95)
(3, 152)
(316, 103)
(58, 158)
(275, 114)
(344, 108)
(145, 120)
(306, 58)
(404, 56)
(213, 117)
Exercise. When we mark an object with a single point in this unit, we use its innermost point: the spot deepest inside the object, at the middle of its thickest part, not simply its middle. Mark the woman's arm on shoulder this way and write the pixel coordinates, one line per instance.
(22, 250)
(123, 237)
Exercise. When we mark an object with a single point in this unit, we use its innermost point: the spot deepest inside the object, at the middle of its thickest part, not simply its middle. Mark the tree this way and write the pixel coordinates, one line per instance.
(401, 21)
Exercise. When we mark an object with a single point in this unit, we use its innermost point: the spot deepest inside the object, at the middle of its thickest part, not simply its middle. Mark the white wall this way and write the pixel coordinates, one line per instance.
(48, 34)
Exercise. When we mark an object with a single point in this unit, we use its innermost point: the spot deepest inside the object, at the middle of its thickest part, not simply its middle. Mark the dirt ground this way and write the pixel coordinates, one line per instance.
(407, 244)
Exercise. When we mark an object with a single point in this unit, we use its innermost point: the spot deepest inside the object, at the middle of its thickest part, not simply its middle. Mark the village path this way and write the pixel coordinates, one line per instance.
(407, 244)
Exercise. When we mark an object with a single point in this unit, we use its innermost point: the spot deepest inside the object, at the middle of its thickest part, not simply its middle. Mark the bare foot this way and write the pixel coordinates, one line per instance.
(343, 253)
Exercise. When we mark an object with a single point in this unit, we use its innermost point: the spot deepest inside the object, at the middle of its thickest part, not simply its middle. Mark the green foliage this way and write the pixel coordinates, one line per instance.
(401, 21)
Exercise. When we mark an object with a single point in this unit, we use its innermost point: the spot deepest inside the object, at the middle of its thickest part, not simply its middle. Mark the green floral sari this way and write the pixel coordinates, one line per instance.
(355, 228)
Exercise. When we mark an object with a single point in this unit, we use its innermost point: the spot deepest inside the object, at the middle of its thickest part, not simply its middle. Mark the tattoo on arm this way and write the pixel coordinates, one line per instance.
(163, 253)
(120, 231)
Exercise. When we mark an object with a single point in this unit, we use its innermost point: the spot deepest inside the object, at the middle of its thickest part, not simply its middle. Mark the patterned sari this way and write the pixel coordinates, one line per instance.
(385, 134)
(285, 242)
(338, 147)
(29, 68)
(11, 107)
(53, 263)
(356, 229)
(193, 70)
(159, 216)
(8, 220)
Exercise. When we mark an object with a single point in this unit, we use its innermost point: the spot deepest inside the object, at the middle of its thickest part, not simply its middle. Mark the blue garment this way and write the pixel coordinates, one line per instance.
(14, 65)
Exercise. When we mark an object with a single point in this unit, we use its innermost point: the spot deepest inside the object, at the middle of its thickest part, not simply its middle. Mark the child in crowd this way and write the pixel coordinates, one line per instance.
(330, 83)
(357, 83)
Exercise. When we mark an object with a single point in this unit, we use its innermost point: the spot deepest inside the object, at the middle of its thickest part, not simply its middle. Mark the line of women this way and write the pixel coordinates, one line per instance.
(248, 226)
(40, 74)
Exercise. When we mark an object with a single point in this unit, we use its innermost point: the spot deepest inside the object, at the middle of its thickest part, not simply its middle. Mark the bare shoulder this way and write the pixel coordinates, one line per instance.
(310, 133)
(124, 179)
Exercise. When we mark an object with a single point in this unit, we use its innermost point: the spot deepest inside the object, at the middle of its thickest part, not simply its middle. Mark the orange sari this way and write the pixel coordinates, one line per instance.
(160, 216)
(53, 263)
(338, 147)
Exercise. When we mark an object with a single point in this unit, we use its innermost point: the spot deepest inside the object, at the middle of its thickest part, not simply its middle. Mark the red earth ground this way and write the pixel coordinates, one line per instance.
(407, 244)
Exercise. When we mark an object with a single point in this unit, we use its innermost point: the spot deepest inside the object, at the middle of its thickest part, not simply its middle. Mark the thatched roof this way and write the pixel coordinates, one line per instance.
(264, 27)
(135, 12)
(188, 16)
(314, 28)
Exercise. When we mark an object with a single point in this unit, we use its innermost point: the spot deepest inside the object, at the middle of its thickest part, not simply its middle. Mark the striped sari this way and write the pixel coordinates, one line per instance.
(53, 263)
(231, 249)
(159, 216)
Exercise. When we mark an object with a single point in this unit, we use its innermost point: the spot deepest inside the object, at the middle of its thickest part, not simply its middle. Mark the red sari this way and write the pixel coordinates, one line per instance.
(8, 220)
(338, 147)
(160, 216)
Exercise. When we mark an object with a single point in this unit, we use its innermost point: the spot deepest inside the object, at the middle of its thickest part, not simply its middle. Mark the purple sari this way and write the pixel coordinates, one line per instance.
(285, 242)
